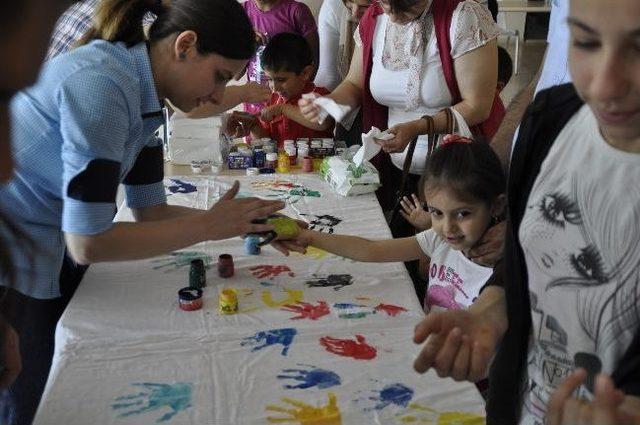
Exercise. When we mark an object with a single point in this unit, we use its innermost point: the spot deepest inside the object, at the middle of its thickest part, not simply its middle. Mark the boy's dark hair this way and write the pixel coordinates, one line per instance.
(287, 52)
(505, 66)
(471, 169)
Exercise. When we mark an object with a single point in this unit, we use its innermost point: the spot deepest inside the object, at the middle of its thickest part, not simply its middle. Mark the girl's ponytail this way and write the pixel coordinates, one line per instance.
(222, 26)
(121, 20)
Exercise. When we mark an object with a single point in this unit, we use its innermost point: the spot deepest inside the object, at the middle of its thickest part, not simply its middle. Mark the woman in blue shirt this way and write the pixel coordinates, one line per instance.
(86, 127)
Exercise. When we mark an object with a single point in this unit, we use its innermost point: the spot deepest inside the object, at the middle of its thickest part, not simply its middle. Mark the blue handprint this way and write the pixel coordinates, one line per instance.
(313, 377)
(176, 397)
(180, 186)
(398, 394)
(272, 337)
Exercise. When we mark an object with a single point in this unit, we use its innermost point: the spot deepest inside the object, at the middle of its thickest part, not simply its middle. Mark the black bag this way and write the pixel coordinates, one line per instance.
(395, 219)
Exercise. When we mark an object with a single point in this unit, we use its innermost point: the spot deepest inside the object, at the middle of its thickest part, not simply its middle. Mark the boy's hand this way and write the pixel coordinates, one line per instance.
(240, 124)
(413, 212)
(270, 112)
(255, 93)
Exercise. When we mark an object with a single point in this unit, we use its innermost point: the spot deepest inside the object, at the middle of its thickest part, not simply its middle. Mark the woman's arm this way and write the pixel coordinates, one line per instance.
(349, 92)
(163, 212)
(360, 249)
(293, 113)
(131, 241)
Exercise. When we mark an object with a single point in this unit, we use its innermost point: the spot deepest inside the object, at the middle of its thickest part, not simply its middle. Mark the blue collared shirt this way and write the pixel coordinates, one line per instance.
(83, 129)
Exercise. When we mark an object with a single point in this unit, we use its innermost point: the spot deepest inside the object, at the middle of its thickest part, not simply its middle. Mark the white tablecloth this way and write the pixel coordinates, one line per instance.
(301, 350)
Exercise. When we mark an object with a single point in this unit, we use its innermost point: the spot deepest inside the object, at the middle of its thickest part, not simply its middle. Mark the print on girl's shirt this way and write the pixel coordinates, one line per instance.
(445, 295)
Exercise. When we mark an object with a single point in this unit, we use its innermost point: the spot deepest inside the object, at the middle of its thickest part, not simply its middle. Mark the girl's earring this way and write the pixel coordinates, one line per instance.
(182, 56)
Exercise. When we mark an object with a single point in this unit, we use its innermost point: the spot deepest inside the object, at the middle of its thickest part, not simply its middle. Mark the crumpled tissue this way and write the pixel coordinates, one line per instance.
(369, 147)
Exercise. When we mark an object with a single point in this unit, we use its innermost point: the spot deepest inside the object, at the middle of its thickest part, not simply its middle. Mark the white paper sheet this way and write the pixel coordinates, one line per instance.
(126, 354)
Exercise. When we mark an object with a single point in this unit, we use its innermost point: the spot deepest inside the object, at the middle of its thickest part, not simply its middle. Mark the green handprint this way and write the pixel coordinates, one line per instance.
(181, 259)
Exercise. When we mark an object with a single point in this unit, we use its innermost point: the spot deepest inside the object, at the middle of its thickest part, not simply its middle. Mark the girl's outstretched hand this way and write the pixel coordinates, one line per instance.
(293, 245)
(414, 213)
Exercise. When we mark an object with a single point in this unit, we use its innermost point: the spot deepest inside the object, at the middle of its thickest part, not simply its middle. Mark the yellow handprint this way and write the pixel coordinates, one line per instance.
(306, 414)
(293, 296)
(425, 415)
(313, 253)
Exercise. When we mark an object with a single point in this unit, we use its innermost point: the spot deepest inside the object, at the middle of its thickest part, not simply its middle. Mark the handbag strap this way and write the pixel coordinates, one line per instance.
(406, 166)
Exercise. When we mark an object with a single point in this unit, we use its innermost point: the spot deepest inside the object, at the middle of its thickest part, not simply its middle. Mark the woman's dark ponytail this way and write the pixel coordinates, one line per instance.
(222, 26)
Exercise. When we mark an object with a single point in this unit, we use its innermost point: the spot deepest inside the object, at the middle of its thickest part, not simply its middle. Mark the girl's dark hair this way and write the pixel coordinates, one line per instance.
(222, 25)
(472, 170)
(287, 52)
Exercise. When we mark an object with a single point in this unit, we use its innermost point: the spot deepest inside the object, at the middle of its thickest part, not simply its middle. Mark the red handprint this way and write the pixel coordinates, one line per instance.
(391, 310)
(266, 271)
(307, 310)
(358, 349)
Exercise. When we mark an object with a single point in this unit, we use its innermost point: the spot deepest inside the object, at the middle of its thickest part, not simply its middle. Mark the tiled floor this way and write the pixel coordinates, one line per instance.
(531, 53)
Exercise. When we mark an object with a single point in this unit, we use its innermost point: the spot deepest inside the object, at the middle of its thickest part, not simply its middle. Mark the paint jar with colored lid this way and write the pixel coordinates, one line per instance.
(228, 301)
(307, 164)
(283, 162)
(252, 245)
(190, 299)
(271, 160)
(259, 158)
(197, 274)
(291, 152)
(225, 266)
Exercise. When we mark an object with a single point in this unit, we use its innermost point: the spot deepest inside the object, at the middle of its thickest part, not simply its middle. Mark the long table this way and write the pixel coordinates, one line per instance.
(318, 339)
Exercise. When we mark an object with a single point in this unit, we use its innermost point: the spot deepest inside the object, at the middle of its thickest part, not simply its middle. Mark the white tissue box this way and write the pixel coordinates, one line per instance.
(347, 179)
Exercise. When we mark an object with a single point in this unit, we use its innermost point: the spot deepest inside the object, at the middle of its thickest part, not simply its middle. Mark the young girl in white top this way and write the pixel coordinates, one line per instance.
(463, 186)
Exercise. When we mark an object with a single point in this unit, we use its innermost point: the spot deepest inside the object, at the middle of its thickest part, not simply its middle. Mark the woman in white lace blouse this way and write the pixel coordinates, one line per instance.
(400, 68)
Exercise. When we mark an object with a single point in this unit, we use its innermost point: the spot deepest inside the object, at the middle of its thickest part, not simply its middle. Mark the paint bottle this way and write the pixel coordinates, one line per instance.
(228, 301)
(307, 164)
(291, 152)
(283, 162)
(225, 266)
(271, 160)
(251, 245)
(197, 274)
(317, 163)
(259, 158)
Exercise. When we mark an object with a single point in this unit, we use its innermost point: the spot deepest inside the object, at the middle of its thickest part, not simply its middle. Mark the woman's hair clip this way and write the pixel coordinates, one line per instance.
(448, 139)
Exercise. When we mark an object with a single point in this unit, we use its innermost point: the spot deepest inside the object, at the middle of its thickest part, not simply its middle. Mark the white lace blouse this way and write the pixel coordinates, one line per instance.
(411, 88)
